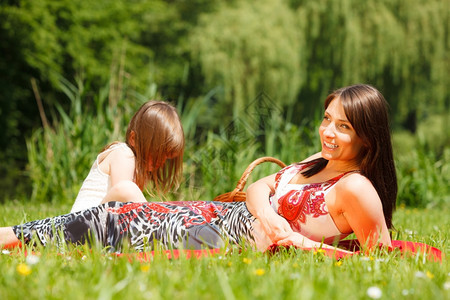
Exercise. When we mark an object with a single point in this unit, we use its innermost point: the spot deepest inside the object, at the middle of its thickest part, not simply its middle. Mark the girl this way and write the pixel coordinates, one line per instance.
(350, 186)
(152, 153)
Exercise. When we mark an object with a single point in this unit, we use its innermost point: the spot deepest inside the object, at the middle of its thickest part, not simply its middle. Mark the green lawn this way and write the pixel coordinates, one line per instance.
(92, 274)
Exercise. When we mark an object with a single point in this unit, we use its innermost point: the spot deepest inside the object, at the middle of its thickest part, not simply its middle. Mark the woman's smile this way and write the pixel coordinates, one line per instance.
(339, 140)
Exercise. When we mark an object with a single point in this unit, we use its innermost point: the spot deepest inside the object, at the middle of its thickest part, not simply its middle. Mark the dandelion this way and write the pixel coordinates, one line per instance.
(319, 251)
(259, 272)
(145, 268)
(247, 260)
(374, 292)
(6, 252)
(23, 269)
(230, 263)
(429, 275)
(447, 285)
(32, 259)
(84, 257)
(338, 263)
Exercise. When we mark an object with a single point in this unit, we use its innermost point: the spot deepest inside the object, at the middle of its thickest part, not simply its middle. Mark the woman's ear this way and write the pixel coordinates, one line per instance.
(132, 139)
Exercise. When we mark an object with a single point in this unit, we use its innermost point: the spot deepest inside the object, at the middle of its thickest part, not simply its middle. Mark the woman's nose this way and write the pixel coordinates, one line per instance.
(329, 130)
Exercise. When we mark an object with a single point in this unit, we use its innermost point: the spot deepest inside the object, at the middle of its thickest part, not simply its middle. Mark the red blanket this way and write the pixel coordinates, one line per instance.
(405, 248)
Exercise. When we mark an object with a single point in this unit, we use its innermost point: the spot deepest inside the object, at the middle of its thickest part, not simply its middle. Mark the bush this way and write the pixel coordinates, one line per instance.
(423, 175)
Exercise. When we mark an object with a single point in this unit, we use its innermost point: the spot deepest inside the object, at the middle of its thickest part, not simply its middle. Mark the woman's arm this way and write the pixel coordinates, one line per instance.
(361, 207)
(298, 240)
(274, 226)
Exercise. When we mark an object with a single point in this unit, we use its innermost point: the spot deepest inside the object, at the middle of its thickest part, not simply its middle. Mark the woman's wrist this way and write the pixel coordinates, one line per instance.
(263, 212)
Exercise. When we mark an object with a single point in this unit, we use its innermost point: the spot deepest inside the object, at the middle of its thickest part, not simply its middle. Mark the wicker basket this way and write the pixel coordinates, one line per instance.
(238, 194)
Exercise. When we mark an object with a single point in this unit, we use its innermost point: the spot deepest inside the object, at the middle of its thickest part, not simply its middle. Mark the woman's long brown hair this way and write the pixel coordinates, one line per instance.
(367, 111)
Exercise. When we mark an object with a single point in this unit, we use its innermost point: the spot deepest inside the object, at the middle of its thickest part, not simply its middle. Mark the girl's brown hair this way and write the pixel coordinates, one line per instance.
(156, 136)
(367, 111)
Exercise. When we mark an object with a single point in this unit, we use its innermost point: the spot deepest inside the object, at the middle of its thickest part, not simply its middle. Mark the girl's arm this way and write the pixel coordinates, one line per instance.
(275, 226)
(121, 165)
(124, 191)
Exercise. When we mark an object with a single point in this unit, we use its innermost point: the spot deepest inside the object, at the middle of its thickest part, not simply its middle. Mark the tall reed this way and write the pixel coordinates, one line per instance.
(60, 155)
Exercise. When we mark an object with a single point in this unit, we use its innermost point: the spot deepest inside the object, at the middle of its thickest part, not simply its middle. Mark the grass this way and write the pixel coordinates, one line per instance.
(83, 273)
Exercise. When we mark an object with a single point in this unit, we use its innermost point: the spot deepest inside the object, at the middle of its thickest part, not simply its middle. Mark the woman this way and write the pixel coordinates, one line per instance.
(350, 186)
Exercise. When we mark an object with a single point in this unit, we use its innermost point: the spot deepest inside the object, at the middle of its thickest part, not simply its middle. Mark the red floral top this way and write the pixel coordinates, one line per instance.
(303, 205)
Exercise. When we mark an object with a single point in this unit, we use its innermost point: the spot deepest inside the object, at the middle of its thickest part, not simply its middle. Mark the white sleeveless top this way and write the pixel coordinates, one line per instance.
(96, 184)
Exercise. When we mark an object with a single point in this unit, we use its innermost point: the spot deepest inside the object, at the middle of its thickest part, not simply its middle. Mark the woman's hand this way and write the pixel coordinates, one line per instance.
(300, 241)
(274, 226)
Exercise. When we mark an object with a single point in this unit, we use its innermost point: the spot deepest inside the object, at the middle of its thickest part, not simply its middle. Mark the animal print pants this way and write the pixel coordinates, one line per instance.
(169, 225)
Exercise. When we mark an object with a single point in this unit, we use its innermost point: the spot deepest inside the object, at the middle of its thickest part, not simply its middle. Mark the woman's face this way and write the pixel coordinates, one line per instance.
(339, 140)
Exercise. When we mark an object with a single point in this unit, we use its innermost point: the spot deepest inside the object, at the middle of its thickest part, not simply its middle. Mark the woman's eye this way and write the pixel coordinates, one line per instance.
(345, 126)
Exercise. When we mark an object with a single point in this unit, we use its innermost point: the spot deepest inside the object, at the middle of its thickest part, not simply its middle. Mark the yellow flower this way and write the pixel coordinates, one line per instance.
(260, 272)
(430, 275)
(145, 268)
(247, 260)
(338, 263)
(23, 269)
(319, 251)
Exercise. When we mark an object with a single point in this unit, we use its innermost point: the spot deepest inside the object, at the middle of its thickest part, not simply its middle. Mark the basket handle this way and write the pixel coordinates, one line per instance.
(241, 183)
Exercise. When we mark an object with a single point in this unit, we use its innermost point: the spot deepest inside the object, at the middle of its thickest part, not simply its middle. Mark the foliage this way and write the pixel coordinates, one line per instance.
(399, 46)
(215, 57)
(60, 155)
(84, 273)
(249, 47)
(423, 165)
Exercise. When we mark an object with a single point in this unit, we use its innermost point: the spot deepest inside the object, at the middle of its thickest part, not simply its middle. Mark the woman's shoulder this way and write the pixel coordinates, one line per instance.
(356, 187)
(355, 184)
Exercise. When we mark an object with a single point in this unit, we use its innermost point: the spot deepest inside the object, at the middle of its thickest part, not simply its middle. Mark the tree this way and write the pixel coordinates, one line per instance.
(249, 47)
